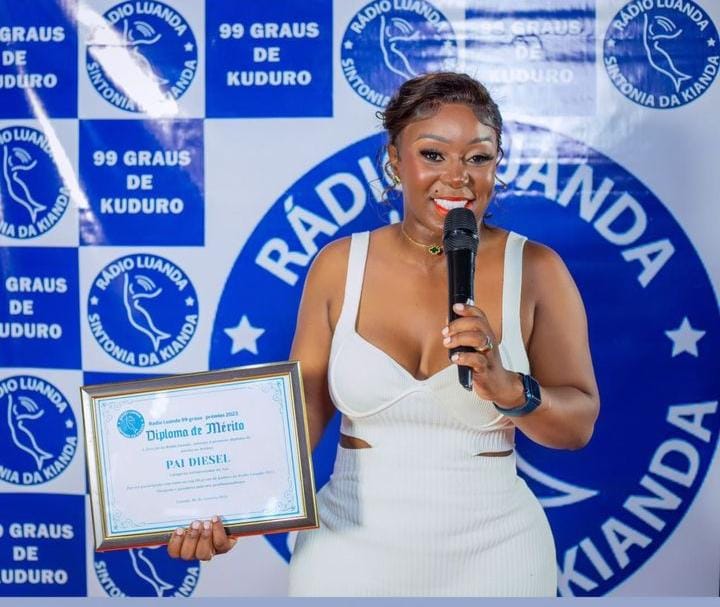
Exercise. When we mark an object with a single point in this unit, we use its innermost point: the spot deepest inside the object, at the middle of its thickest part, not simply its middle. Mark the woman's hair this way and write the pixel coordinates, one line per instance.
(421, 97)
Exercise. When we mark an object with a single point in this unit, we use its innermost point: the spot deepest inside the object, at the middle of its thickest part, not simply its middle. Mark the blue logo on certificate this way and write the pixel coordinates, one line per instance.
(388, 42)
(143, 181)
(32, 196)
(39, 59)
(269, 59)
(38, 431)
(661, 53)
(142, 310)
(131, 423)
(143, 57)
(145, 572)
(613, 504)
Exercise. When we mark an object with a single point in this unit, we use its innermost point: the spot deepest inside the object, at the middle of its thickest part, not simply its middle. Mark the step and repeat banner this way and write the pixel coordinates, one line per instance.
(170, 169)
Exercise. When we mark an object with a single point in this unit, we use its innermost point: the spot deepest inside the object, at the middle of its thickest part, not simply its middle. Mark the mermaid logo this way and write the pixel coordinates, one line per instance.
(146, 572)
(662, 55)
(386, 43)
(613, 504)
(142, 310)
(142, 57)
(39, 431)
(130, 423)
(32, 197)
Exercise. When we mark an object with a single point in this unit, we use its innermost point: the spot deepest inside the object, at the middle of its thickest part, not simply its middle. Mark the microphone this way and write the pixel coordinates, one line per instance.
(460, 241)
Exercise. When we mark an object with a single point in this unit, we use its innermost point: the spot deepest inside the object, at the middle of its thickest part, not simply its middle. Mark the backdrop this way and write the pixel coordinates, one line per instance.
(202, 151)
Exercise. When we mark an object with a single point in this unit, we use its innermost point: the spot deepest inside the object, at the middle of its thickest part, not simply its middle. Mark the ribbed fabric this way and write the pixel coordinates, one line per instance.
(419, 514)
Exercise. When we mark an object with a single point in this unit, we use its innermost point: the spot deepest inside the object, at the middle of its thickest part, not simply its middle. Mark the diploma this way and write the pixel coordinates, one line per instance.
(164, 452)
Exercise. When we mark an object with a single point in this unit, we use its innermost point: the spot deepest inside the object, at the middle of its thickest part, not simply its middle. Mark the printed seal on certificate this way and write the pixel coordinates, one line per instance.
(166, 451)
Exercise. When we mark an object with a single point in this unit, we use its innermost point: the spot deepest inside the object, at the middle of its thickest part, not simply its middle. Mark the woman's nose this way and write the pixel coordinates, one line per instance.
(457, 176)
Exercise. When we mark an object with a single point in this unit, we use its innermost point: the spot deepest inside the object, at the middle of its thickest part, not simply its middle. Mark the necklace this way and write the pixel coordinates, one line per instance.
(433, 249)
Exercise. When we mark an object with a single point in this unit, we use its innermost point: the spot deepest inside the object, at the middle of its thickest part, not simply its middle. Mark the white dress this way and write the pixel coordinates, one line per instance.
(419, 513)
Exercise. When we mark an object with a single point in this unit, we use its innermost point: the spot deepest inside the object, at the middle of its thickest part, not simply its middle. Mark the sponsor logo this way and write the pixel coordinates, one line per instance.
(390, 41)
(613, 504)
(38, 431)
(130, 423)
(143, 57)
(145, 572)
(142, 310)
(32, 196)
(662, 53)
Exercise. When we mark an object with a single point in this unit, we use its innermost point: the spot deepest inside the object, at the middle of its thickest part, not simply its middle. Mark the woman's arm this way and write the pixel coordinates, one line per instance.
(558, 351)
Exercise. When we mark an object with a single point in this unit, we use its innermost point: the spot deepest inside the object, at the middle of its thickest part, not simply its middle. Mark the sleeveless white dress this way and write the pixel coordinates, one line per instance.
(419, 514)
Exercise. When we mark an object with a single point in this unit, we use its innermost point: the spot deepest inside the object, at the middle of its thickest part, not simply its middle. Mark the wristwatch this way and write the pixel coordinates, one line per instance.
(532, 398)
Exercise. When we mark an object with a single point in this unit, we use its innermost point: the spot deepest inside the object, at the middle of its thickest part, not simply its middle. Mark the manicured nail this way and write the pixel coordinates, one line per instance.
(195, 525)
(179, 531)
(215, 518)
(445, 331)
(454, 358)
(206, 525)
(447, 340)
(458, 307)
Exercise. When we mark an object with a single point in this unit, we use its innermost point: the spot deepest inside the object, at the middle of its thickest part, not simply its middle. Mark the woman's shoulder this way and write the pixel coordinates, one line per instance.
(544, 270)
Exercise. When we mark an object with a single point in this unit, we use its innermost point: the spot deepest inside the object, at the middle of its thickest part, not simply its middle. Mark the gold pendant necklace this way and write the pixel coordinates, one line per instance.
(433, 249)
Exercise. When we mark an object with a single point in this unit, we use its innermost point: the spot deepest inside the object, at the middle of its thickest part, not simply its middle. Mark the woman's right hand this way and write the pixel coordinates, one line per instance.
(201, 541)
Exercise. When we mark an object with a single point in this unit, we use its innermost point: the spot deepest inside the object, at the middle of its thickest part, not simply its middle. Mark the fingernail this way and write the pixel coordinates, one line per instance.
(215, 518)
(206, 525)
(195, 525)
(458, 307)
(470, 302)
(447, 340)
(454, 358)
(179, 531)
(445, 331)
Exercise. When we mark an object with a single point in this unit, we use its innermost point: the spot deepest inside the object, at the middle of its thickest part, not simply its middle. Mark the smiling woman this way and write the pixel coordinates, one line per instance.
(424, 498)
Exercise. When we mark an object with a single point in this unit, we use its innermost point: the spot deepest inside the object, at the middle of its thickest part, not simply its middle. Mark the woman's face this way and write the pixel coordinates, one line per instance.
(444, 162)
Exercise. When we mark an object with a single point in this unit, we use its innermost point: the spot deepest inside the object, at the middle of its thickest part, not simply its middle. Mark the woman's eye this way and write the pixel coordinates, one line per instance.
(431, 155)
(480, 158)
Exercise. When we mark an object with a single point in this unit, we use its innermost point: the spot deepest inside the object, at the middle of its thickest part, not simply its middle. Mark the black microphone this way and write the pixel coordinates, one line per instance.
(460, 241)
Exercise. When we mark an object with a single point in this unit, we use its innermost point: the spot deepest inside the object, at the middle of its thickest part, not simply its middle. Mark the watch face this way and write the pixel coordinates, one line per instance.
(532, 389)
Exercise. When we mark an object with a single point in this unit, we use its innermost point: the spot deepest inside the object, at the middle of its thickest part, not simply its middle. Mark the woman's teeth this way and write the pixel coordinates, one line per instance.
(448, 205)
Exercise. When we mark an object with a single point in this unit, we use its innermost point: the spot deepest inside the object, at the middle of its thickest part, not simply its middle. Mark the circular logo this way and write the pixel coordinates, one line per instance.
(143, 58)
(662, 54)
(142, 310)
(613, 504)
(130, 423)
(32, 196)
(387, 43)
(38, 431)
(146, 572)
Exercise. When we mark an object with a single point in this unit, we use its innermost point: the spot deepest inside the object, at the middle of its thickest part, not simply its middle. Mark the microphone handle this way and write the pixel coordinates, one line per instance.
(461, 269)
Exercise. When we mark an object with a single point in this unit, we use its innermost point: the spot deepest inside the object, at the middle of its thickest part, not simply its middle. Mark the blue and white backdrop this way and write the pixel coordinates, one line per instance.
(196, 154)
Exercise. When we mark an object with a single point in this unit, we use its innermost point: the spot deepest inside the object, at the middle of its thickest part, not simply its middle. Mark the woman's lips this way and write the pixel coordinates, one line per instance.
(444, 205)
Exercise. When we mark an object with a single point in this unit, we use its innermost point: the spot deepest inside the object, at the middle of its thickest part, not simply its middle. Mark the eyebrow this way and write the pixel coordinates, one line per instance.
(444, 140)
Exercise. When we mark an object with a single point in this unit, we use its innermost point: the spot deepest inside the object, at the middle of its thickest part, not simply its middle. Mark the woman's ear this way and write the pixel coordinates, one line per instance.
(393, 160)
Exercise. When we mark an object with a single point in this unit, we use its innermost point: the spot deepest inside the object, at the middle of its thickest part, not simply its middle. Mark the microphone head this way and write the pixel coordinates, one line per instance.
(460, 230)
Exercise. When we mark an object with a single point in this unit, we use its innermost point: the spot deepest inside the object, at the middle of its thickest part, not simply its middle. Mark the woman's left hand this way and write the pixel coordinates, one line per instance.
(491, 381)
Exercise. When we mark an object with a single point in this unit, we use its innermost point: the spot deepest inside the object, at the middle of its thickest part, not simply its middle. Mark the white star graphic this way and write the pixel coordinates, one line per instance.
(93, 301)
(711, 42)
(611, 43)
(244, 336)
(189, 47)
(348, 45)
(189, 301)
(685, 338)
(69, 424)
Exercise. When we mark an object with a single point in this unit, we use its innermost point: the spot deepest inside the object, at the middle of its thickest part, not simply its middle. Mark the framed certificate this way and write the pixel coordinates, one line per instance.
(164, 452)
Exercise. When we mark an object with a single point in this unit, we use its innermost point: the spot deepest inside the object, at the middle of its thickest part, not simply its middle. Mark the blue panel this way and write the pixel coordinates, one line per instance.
(269, 59)
(143, 181)
(39, 308)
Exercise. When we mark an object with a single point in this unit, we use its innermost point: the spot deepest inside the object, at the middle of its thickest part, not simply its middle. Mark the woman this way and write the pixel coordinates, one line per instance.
(424, 498)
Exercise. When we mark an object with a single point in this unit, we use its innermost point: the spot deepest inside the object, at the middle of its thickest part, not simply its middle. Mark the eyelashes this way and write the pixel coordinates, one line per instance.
(436, 156)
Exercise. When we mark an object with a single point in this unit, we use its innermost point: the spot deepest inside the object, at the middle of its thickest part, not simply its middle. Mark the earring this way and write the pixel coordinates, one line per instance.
(503, 185)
